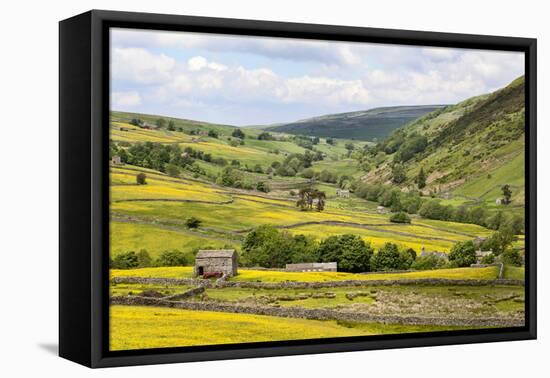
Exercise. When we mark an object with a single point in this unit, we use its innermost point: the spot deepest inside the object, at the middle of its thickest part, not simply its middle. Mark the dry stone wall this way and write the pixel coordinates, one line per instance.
(319, 314)
(313, 285)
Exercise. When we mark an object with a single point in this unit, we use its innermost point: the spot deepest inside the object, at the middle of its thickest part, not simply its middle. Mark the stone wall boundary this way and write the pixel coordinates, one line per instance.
(318, 314)
(313, 285)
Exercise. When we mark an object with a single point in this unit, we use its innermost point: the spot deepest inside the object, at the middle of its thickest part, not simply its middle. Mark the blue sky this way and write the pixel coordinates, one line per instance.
(253, 80)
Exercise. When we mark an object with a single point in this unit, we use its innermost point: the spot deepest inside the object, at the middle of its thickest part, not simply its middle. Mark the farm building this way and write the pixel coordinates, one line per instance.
(342, 193)
(216, 261)
(115, 160)
(312, 267)
(481, 254)
(381, 210)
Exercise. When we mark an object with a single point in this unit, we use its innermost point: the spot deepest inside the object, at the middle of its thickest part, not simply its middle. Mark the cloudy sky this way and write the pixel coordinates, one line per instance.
(251, 80)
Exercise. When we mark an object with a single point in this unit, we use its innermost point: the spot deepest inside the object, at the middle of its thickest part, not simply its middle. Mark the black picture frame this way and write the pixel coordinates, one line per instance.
(83, 196)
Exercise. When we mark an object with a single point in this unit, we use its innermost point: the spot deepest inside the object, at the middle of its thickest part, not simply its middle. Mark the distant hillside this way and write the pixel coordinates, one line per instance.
(468, 150)
(364, 125)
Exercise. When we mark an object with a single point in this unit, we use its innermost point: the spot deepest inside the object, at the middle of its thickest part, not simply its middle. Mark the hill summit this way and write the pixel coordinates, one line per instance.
(363, 125)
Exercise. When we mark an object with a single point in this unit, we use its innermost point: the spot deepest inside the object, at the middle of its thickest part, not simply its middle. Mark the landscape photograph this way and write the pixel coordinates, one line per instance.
(271, 189)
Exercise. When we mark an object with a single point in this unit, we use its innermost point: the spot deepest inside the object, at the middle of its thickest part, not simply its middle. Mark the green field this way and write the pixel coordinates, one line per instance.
(146, 327)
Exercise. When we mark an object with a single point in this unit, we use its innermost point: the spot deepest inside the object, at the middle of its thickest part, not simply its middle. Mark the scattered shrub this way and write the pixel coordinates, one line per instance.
(127, 260)
(141, 178)
(400, 217)
(192, 222)
(511, 257)
(172, 258)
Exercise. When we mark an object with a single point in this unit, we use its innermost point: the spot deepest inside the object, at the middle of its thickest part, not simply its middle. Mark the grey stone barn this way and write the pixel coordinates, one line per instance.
(216, 260)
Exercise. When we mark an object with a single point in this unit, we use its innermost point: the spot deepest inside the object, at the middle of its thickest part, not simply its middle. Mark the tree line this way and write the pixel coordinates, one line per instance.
(414, 202)
(269, 247)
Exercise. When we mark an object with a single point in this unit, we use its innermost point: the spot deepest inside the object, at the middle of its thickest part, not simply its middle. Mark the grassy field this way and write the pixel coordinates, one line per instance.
(147, 327)
(252, 209)
(128, 236)
(388, 300)
(487, 273)
(514, 272)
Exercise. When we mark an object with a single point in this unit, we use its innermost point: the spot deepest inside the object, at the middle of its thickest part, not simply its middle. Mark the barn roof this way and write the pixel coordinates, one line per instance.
(213, 253)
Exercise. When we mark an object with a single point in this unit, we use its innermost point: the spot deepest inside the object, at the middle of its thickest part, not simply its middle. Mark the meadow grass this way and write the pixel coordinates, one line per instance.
(134, 327)
(378, 238)
(514, 272)
(127, 237)
(315, 298)
(512, 173)
(156, 272)
(136, 289)
(157, 189)
(486, 273)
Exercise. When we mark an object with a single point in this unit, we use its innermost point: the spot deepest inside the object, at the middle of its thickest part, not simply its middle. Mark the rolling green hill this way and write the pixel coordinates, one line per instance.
(468, 151)
(363, 125)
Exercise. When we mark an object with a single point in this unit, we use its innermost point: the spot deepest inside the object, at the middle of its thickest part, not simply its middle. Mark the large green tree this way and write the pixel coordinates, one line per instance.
(421, 179)
(390, 258)
(350, 252)
(463, 253)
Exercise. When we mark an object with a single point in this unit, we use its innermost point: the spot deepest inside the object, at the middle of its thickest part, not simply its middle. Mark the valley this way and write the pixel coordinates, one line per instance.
(401, 212)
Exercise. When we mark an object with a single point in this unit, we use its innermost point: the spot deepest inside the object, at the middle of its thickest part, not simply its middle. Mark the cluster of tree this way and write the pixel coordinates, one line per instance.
(306, 141)
(142, 259)
(412, 145)
(309, 197)
(172, 126)
(414, 203)
(238, 133)
(152, 155)
(391, 258)
(389, 196)
(207, 157)
(269, 247)
(235, 178)
(404, 146)
(349, 251)
(294, 164)
(264, 135)
(263, 187)
(324, 175)
(136, 122)
(350, 147)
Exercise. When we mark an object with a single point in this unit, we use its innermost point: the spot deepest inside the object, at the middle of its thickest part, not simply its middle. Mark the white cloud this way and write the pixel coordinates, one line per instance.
(235, 77)
(197, 63)
(140, 66)
(274, 48)
(203, 79)
(439, 53)
(125, 99)
(324, 90)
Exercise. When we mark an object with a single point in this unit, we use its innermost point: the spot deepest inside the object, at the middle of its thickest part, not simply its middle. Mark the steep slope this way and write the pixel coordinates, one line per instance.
(365, 125)
(468, 151)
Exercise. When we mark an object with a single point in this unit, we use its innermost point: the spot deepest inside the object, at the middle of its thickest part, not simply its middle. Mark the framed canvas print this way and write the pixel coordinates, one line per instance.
(234, 188)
